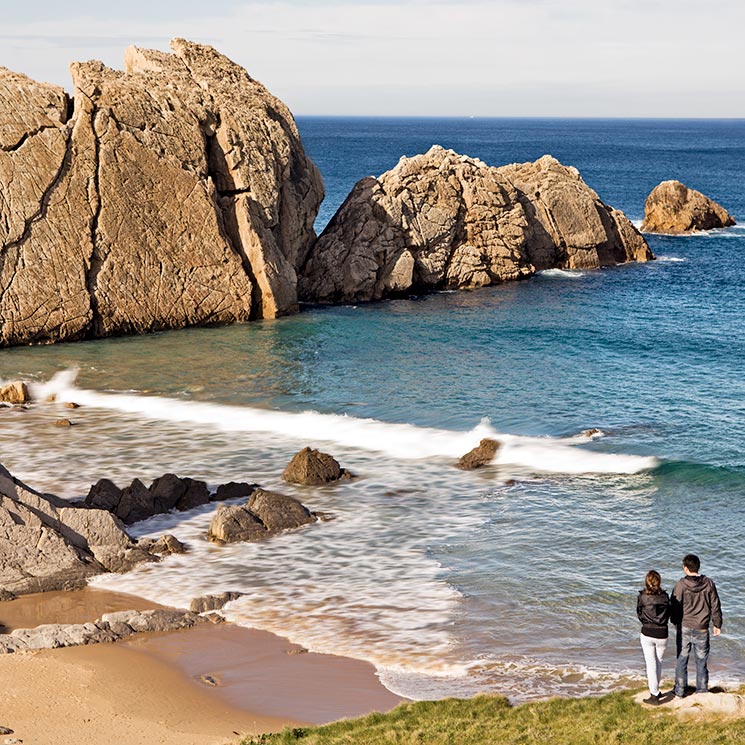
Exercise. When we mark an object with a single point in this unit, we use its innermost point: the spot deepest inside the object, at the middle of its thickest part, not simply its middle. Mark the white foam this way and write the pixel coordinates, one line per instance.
(562, 273)
(401, 441)
(671, 259)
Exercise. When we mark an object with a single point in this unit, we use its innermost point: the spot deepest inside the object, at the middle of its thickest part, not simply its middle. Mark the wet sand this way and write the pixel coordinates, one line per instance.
(206, 685)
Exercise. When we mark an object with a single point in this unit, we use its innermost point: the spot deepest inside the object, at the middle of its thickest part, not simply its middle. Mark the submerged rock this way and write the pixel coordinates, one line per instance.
(481, 455)
(443, 220)
(672, 207)
(312, 468)
(175, 193)
(163, 546)
(213, 602)
(47, 544)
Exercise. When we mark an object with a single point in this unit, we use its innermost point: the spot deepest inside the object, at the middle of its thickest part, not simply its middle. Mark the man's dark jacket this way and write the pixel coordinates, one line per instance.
(695, 603)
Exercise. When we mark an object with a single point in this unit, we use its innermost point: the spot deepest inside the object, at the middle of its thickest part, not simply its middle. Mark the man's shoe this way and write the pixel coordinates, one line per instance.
(652, 700)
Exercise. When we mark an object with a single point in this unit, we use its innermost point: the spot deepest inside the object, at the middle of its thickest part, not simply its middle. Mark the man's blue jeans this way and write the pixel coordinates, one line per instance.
(698, 640)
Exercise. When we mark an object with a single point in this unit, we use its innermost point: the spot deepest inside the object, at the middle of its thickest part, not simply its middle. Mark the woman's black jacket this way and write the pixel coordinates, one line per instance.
(654, 613)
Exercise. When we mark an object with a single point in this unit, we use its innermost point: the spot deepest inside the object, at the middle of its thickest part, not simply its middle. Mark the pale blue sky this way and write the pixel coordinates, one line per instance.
(420, 57)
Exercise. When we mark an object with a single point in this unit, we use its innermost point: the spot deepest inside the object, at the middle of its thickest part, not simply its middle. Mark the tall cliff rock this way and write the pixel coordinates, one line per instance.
(672, 207)
(444, 220)
(175, 193)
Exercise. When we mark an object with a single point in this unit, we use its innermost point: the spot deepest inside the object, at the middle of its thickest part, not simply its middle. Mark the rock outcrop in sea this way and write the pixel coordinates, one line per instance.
(265, 514)
(672, 207)
(446, 221)
(176, 193)
(48, 544)
(311, 467)
(168, 492)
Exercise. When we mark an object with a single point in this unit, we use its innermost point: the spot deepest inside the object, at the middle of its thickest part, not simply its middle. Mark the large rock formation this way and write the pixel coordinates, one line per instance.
(672, 207)
(46, 544)
(443, 220)
(175, 193)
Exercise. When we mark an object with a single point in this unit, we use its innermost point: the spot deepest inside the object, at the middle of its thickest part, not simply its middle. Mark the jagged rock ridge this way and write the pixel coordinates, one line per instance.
(175, 193)
(443, 220)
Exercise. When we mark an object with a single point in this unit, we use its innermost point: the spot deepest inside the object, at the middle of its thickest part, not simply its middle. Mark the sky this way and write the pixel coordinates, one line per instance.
(597, 58)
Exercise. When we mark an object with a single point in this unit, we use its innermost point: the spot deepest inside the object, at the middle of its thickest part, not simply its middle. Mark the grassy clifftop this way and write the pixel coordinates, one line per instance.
(609, 720)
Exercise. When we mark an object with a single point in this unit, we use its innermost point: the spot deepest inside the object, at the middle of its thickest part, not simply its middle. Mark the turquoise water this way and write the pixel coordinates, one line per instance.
(520, 579)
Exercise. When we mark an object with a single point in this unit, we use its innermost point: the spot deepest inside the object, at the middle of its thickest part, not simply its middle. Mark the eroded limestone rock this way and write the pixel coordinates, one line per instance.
(175, 193)
(443, 220)
(672, 207)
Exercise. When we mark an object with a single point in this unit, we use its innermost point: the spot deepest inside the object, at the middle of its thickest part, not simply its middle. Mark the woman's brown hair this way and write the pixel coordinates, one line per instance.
(652, 582)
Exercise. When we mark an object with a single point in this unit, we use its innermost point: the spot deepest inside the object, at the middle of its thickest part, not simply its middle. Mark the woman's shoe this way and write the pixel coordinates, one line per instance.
(653, 700)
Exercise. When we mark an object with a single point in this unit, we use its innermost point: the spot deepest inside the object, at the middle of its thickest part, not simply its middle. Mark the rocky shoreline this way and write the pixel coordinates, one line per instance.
(177, 193)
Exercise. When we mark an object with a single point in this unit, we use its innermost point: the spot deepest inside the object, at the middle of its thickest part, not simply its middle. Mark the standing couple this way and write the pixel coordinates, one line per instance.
(693, 607)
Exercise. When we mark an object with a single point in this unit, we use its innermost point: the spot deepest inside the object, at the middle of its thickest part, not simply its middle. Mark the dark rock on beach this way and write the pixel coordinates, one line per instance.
(48, 544)
(265, 514)
(109, 628)
(672, 207)
(313, 468)
(481, 455)
(138, 502)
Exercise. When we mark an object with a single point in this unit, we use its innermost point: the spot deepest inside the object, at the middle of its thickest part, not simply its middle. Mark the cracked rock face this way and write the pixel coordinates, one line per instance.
(446, 221)
(46, 544)
(177, 193)
(672, 207)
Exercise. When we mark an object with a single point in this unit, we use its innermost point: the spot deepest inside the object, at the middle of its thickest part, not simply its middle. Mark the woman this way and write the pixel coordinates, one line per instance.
(653, 609)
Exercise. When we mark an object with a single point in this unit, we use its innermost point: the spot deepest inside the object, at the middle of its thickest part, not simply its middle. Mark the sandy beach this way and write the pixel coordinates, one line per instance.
(151, 689)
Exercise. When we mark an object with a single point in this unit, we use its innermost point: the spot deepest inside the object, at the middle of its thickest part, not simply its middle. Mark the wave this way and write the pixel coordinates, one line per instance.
(562, 273)
(401, 441)
(671, 259)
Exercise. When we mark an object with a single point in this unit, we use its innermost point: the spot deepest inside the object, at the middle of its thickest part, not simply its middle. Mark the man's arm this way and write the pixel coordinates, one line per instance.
(676, 604)
(716, 608)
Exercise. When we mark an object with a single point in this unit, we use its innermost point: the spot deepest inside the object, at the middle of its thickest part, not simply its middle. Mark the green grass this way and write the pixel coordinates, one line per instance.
(610, 720)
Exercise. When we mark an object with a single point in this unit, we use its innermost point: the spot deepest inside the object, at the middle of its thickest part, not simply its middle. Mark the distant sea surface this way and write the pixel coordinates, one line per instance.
(519, 579)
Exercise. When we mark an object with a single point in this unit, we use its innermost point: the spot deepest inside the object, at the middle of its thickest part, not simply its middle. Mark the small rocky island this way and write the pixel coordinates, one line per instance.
(446, 221)
(672, 207)
(177, 193)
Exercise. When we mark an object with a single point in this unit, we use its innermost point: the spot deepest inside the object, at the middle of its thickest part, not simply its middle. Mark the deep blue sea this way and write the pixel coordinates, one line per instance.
(519, 579)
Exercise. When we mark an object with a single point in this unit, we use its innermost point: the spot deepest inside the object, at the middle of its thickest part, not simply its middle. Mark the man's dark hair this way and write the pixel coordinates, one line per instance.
(692, 563)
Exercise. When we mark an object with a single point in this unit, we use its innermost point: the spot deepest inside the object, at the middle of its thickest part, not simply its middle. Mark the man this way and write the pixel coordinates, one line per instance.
(695, 605)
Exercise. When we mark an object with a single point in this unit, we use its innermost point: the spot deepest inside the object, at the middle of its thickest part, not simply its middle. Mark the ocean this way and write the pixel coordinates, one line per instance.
(519, 579)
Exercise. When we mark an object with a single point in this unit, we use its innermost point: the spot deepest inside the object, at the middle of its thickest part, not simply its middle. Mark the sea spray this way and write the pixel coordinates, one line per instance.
(403, 441)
